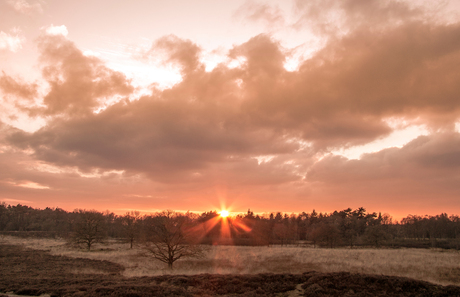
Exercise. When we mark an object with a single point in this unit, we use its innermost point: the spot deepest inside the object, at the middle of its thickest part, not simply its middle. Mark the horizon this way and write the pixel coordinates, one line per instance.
(291, 105)
(233, 214)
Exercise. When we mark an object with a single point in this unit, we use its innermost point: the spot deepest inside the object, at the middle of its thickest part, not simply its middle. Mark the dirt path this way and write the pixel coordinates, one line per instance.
(299, 291)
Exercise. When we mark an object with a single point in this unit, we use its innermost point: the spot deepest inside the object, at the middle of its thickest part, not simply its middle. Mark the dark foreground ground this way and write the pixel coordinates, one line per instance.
(31, 272)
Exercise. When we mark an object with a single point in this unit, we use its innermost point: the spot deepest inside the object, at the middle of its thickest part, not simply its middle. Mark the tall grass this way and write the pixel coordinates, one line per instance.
(433, 265)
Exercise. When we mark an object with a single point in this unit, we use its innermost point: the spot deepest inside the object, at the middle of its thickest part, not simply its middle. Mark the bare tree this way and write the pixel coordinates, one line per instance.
(130, 223)
(88, 228)
(171, 238)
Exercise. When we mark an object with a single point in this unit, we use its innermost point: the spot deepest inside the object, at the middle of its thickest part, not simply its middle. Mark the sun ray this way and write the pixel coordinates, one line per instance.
(242, 226)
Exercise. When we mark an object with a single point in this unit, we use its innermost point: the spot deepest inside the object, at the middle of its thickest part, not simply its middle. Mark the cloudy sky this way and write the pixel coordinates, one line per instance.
(195, 105)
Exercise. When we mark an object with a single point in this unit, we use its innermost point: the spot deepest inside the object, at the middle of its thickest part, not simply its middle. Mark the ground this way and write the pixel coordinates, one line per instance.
(33, 272)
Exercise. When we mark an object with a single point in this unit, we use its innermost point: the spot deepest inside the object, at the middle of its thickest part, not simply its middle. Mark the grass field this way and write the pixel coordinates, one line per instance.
(432, 265)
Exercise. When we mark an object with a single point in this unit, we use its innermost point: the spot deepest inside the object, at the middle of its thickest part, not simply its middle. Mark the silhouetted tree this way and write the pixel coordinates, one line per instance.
(131, 228)
(3, 216)
(280, 232)
(376, 234)
(88, 228)
(171, 238)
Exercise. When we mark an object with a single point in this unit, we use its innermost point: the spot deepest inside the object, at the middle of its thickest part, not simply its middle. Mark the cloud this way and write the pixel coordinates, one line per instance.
(408, 69)
(340, 97)
(423, 172)
(56, 30)
(17, 88)
(271, 16)
(10, 43)
(25, 7)
(29, 184)
(166, 140)
(339, 18)
(184, 53)
(78, 83)
(14, 174)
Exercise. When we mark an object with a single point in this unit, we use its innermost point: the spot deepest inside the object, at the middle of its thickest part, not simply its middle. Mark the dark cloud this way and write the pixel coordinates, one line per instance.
(149, 135)
(360, 80)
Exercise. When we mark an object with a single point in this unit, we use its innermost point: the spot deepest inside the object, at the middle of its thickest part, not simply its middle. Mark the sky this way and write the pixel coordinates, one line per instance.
(200, 105)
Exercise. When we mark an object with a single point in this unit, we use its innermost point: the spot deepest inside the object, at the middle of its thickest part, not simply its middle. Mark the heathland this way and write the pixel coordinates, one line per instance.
(348, 252)
(36, 266)
(438, 266)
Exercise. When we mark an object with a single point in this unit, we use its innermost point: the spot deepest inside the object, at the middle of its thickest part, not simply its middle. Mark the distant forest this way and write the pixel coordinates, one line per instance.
(347, 227)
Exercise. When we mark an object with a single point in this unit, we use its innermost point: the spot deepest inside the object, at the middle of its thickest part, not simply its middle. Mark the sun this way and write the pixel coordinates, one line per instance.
(224, 213)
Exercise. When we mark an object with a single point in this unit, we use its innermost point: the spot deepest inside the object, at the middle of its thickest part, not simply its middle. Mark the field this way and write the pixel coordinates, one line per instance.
(226, 270)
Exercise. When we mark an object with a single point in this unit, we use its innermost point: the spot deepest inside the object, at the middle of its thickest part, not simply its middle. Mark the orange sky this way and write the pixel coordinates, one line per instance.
(269, 105)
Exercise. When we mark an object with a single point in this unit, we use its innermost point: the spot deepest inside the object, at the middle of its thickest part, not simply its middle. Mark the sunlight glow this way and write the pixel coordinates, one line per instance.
(264, 159)
(29, 184)
(224, 213)
(398, 138)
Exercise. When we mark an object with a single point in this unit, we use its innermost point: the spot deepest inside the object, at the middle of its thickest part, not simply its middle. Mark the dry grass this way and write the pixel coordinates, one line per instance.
(436, 266)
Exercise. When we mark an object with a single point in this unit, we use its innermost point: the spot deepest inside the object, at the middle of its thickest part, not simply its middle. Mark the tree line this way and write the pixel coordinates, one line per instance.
(339, 228)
